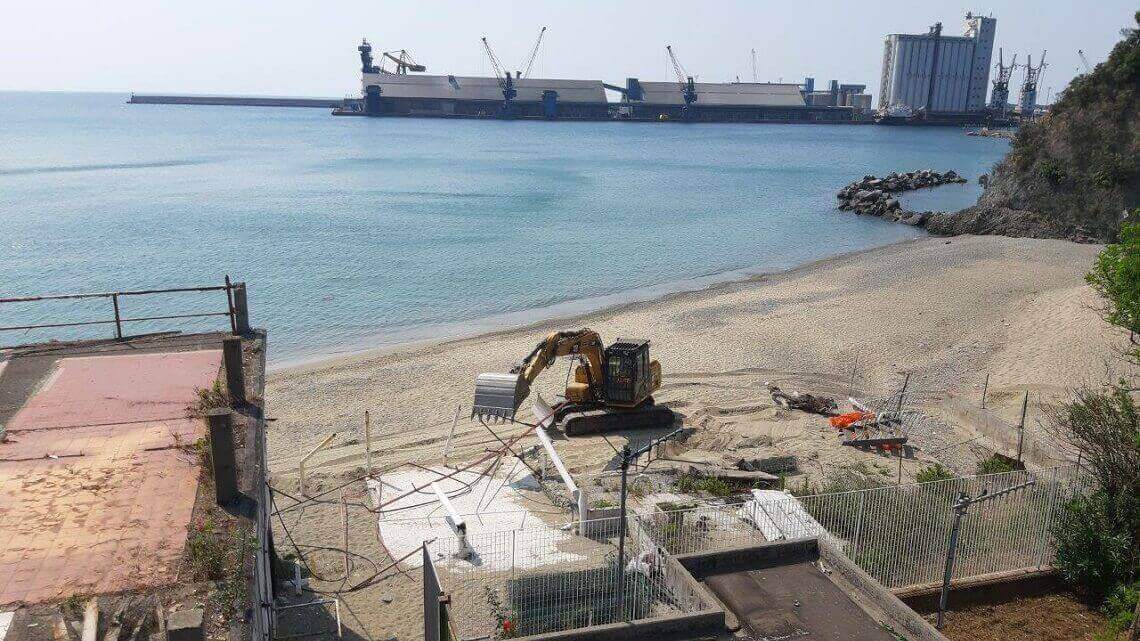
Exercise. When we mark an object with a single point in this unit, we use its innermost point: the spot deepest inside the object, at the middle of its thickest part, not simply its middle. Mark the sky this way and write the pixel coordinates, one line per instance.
(308, 48)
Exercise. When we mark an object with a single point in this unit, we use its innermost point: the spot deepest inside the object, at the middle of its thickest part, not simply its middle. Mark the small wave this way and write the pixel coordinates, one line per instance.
(21, 171)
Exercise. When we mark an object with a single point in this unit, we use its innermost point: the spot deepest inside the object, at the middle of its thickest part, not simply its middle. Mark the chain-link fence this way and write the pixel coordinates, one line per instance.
(897, 534)
(546, 579)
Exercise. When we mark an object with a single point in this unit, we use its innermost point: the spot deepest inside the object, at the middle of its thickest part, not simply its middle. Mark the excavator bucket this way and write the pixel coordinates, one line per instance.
(498, 396)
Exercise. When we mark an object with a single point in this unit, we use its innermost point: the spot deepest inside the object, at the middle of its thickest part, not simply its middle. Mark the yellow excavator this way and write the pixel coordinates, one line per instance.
(611, 388)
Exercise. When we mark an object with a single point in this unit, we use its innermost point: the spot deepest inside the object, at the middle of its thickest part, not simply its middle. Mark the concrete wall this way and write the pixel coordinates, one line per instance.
(748, 557)
(989, 589)
(1036, 450)
(902, 618)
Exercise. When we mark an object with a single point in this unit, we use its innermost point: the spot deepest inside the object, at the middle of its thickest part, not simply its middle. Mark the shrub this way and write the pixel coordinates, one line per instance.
(1116, 278)
(933, 473)
(1112, 170)
(1052, 170)
(212, 397)
(994, 465)
(690, 484)
(1095, 551)
(208, 551)
(1120, 606)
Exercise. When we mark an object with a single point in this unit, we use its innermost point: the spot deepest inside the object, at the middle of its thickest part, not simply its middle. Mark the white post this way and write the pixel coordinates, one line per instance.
(451, 435)
(305, 459)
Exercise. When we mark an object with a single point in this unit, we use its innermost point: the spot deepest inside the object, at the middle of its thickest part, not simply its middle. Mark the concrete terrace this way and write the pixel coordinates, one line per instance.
(99, 474)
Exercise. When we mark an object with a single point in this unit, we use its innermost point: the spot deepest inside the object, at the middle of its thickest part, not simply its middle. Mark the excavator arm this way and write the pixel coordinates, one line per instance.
(584, 343)
(500, 395)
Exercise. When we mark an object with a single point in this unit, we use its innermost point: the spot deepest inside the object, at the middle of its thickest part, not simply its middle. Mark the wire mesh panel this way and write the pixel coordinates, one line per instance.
(544, 579)
(897, 534)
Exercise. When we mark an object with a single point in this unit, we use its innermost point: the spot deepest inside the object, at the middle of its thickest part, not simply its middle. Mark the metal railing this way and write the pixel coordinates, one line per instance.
(897, 534)
(118, 320)
(544, 579)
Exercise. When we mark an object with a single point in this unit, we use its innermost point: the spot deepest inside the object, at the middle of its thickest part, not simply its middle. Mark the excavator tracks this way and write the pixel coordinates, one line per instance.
(584, 422)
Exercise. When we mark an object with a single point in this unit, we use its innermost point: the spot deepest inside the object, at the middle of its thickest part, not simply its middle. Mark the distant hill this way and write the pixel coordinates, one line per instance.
(1074, 173)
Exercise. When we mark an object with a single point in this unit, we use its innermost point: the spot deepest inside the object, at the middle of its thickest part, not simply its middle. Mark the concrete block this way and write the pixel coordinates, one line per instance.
(241, 309)
(235, 375)
(185, 625)
(222, 454)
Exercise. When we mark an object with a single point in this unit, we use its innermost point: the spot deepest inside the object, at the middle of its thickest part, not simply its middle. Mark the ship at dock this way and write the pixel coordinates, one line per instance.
(407, 92)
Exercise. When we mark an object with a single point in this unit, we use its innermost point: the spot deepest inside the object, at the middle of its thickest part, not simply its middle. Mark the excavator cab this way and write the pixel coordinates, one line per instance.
(629, 372)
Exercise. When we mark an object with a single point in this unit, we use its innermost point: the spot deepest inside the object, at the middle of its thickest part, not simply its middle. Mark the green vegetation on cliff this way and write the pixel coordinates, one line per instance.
(1075, 173)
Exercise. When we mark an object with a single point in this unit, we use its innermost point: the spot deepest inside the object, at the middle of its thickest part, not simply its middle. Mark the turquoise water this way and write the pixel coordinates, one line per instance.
(354, 232)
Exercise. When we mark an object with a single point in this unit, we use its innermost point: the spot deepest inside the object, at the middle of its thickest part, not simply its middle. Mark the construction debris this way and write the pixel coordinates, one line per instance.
(803, 402)
(746, 476)
(771, 465)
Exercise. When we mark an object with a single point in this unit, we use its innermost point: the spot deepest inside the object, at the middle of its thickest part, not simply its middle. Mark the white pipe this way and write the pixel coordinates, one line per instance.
(548, 445)
(454, 520)
(305, 459)
(545, 416)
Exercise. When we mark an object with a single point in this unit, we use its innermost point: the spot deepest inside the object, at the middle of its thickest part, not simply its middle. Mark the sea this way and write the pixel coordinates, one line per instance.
(356, 233)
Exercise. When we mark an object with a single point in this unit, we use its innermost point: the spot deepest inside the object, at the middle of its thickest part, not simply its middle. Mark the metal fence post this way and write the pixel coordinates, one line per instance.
(858, 526)
(118, 318)
(1043, 542)
(230, 304)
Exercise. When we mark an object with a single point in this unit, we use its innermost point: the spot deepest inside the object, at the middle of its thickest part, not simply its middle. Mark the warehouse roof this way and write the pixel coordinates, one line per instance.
(482, 88)
(727, 93)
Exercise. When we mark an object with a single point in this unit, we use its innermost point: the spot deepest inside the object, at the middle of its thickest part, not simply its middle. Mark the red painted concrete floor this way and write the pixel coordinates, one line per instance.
(98, 477)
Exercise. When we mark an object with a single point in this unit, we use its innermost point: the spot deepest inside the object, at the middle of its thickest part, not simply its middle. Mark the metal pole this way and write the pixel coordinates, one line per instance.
(858, 525)
(621, 534)
(625, 456)
(1021, 425)
(959, 511)
(899, 482)
(985, 388)
(230, 304)
(344, 513)
(118, 319)
(368, 443)
(902, 393)
(1041, 547)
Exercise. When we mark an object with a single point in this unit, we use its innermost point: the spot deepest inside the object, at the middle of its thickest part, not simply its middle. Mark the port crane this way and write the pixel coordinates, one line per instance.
(1084, 61)
(1028, 98)
(688, 87)
(533, 53)
(506, 79)
(999, 99)
(404, 61)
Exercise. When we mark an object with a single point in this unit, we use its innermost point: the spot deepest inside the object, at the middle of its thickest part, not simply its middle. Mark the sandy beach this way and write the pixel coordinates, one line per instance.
(948, 312)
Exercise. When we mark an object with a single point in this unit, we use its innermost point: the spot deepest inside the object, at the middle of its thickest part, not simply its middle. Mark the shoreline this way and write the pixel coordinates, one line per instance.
(950, 312)
(574, 312)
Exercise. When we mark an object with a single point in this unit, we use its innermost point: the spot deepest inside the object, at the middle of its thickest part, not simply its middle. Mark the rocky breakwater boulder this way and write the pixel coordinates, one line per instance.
(873, 196)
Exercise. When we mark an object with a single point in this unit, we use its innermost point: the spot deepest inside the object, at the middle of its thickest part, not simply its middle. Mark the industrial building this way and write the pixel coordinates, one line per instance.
(391, 94)
(934, 73)
(515, 95)
(722, 102)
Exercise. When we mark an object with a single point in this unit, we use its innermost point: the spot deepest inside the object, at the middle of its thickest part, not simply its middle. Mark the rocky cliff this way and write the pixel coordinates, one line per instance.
(1074, 173)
